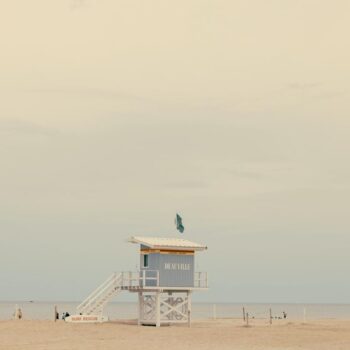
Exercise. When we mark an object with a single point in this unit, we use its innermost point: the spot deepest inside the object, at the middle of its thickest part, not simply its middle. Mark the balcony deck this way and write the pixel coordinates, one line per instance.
(136, 281)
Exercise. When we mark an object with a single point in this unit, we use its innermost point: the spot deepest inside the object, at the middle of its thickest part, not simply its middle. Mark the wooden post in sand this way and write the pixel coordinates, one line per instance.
(189, 307)
(247, 319)
(18, 313)
(157, 309)
(270, 316)
(243, 314)
(55, 313)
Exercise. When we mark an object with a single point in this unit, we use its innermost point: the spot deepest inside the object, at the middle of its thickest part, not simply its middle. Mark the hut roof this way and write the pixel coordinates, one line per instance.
(167, 243)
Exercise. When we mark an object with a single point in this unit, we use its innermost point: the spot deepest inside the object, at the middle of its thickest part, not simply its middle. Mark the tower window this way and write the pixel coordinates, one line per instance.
(145, 260)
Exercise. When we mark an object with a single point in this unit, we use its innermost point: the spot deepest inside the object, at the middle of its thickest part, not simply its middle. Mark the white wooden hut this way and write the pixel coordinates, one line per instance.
(164, 283)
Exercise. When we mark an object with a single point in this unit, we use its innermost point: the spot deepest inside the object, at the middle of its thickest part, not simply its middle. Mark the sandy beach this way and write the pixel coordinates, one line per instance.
(206, 334)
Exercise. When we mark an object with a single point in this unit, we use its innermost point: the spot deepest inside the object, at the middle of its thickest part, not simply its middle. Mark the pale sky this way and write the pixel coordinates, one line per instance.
(116, 114)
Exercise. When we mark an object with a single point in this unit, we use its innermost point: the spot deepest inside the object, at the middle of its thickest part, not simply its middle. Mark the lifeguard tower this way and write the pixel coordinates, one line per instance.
(164, 284)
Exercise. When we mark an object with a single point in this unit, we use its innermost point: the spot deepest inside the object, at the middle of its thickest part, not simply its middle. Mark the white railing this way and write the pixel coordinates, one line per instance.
(143, 278)
(96, 301)
(101, 295)
(201, 280)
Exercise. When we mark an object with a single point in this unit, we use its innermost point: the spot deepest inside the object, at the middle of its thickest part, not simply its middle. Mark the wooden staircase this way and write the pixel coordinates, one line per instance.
(95, 302)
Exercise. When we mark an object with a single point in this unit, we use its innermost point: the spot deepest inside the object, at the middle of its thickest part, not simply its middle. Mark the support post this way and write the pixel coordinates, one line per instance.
(270, 316)
(18, 313)
(55, 313)
(243, 314)
(143, 278)
(140, 308)
(171, 302)
(189, 307)
(247, 319)
(157, 309)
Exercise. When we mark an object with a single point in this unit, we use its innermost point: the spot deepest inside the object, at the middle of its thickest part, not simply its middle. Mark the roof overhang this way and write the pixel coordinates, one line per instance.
(165, 243)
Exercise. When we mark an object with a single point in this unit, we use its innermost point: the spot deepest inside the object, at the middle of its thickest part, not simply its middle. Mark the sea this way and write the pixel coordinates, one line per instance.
(36, 310)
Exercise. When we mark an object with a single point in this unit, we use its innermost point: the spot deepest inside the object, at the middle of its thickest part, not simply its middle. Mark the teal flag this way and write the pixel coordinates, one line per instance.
(178, 223)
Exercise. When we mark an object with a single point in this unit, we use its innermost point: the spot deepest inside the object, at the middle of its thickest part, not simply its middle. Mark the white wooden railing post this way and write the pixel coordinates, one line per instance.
(189, 307)
(157, 309)
(140, 308)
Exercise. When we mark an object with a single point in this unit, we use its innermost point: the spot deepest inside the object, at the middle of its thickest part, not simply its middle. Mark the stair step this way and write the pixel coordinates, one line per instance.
(99, 300)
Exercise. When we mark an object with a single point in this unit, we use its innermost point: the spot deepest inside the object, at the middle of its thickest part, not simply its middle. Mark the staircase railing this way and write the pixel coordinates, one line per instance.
(201, 280)
(143, 278)
(95, 302)
(98, 296)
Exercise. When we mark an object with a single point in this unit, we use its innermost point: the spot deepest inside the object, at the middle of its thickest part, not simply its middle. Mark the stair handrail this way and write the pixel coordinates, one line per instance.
(117, 281)
(100, 300)
(113, 277)
(102, 292)
(97, 290)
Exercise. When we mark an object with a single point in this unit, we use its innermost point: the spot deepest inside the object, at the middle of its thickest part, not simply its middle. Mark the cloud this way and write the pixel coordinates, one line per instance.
(302, 86)
(86, 91)
(26, 127)
(187, 185)
(260, 170)
(316, 90)
(330, 94)
(246, 174)
(77, 4)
